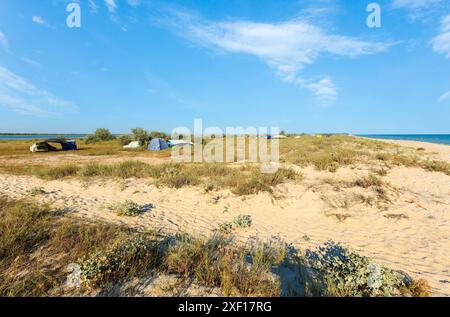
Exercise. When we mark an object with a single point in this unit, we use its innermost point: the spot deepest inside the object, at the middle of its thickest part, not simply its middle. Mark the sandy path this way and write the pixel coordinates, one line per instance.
(418, 244)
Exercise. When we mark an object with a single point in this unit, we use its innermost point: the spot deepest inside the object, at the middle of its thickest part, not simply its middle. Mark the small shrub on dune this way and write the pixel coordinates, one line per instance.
(211, 169)
(131, 209)
(368, 181)
(437, 166)
(125, 259)
(58, 172)
(403, 160)
(129, 169)
(95, 169)
(36, 191)
(261, 182)
(226, 227)
(346, 273)
(243, 221)
(215, 262)
(418, 288)
(174, 176)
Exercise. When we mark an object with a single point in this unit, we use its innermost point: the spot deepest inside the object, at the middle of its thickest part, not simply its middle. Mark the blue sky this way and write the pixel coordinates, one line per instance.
(304, 66)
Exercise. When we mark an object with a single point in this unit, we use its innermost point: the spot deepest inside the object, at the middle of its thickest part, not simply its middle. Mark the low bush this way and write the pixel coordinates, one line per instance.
(57, 172)
(368, 181)
(131, 209)
(99, 135)
(437, 166)
(125, 139)
(346, 273)
(125, 259)
(243, 221)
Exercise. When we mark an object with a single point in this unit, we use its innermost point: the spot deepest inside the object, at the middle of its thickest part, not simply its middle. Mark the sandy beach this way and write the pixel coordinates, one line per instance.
(408, 230)
(435, 151)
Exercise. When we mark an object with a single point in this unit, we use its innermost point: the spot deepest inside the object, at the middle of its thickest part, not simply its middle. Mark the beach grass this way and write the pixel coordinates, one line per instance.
(241, 180)
(325, 153)
(37, 245)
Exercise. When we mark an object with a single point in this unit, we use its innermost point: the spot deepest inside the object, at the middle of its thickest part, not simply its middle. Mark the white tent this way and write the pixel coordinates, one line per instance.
(279, 137)
(179, 143)
(132, 145)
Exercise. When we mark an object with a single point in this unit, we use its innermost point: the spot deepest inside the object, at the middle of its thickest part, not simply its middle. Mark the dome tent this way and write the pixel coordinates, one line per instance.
(157, 144)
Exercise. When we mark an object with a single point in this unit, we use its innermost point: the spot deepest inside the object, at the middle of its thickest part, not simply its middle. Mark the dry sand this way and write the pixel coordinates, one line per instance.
(410, 233)
(432, 150)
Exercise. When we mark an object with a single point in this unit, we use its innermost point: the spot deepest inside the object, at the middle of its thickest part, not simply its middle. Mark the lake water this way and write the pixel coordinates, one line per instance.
(40, 137)
(431, 138)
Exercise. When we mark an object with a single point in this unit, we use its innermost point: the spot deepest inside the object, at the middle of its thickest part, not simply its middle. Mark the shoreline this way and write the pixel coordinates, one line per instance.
(443, 139)
(434, 150)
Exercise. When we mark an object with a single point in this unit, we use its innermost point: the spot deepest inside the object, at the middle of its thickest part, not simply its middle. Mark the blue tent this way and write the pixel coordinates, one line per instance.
(157, 144)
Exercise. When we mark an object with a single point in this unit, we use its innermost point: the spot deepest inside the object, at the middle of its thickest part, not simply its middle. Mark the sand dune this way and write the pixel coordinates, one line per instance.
(408, 231)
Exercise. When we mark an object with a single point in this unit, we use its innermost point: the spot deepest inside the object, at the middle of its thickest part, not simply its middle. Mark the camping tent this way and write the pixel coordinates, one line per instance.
(132, 145)
(179, 143)
(66, 145)
(157, 144)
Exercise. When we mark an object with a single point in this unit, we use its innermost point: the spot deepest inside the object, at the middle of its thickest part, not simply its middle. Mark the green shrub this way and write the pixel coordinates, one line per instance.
(346, 273)
(125, 139)
(173, 176)
(35, 191)
(159, 134)
(58, 172)
(125, 259)
(141, 135)
(368, 181)
(132, 209)
(243, 221)
(215, 262)
(437, 166)
(99, 135)
(226, 227)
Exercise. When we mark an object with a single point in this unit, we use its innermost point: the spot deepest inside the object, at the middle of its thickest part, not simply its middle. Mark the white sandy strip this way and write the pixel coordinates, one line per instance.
(432, 150)
(419, 244)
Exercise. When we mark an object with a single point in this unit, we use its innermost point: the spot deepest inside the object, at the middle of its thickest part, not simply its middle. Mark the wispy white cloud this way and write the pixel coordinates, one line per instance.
(419, 8)
(31, 62)
(445, 97)
(441, 42)
(134, 3)
(414, 4)
(111, 5)
(23, 97)
(93, 7)
(324, 89)
(287, 47)
(3, 41)
(39, 20)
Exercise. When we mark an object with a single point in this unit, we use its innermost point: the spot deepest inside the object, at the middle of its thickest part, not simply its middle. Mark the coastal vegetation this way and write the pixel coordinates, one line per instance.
(46, 252)
(100, 135)
(241, 180)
